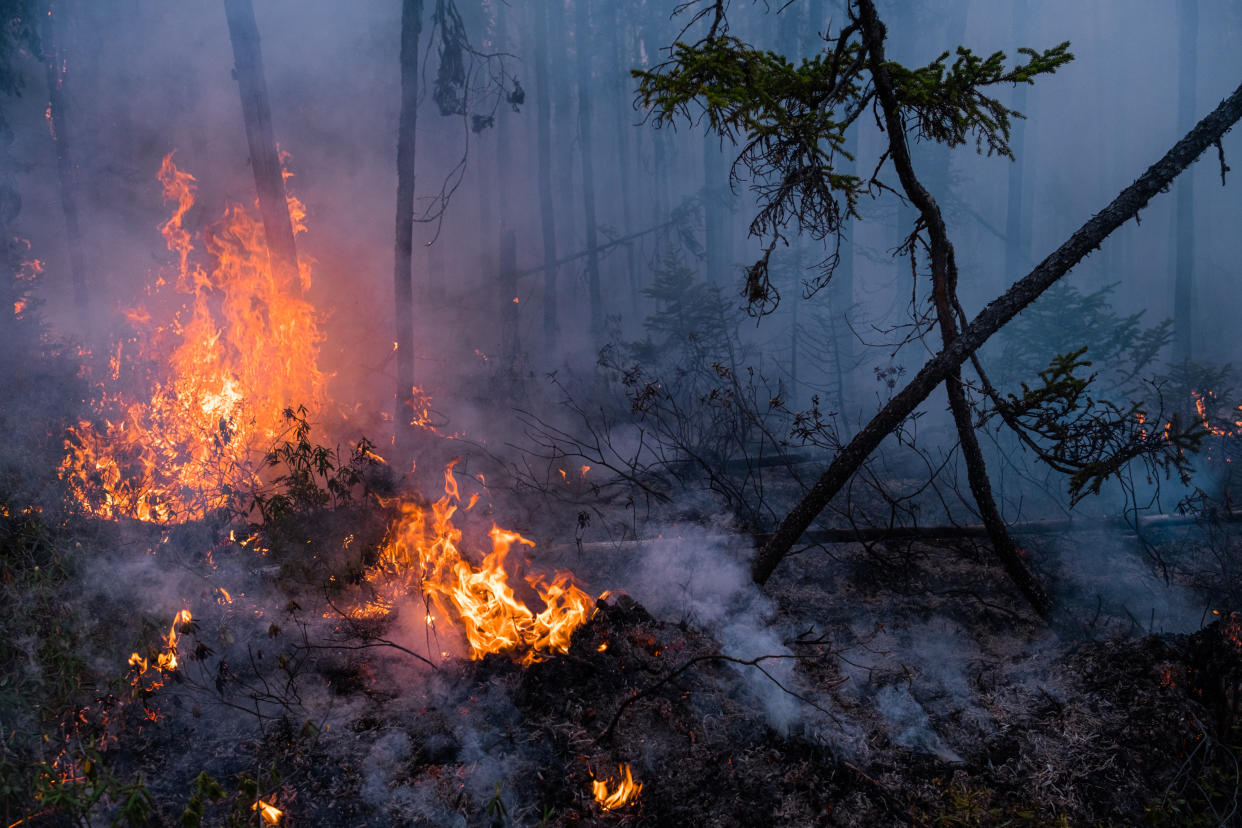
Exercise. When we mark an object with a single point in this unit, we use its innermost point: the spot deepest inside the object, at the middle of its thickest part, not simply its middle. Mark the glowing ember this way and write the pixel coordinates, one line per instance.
(226, 367)
(423, 551)
(626, 790)
(1207, 407)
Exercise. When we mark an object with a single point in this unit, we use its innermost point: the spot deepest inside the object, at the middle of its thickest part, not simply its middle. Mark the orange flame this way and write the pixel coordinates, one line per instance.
(426, 553)
(627, 789)
(270, 813)
(167, 660)
(246, 350)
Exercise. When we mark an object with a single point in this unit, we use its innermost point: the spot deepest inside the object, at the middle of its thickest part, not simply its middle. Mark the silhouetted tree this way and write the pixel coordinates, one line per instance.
(403, 262)
(790, 122)
(261, 139)
(582, 37)
(67, 172)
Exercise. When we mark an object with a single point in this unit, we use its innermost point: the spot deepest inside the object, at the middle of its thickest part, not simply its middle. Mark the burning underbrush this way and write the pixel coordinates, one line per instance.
(222, 622)
(237, 691)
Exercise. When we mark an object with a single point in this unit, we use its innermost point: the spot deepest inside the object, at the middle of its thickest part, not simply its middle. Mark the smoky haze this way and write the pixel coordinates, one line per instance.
(606, 384)
(143, 79)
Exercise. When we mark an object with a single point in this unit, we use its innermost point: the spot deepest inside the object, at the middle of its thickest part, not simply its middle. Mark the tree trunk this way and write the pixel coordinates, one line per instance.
(582, 33)
(1016, 237)
(559, 88)
(620, 68)
(264, 159)
(403, 277)
(795, 397)
(1183, 278)
(944, 294)
(509, 356)
(547, 216)
(713, 212)
(841, 300)
(67, 171)
(991, 319)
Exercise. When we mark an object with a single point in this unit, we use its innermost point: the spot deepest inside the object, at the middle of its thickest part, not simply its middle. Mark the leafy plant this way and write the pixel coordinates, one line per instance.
(311, 477)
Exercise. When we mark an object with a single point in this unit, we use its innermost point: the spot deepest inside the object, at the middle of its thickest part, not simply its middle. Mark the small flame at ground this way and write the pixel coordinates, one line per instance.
(270, 813)
(165, 661)
(423, 552)
(626, 790)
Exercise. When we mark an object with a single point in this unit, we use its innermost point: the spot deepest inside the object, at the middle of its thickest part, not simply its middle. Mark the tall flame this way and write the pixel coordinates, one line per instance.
(423, 551)
(244, 349)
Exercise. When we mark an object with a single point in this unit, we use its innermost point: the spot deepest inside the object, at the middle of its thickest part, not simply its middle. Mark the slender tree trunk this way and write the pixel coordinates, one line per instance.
(547, 215)
(713, 212)
(509, 348)
(261, 140)
(67, 171)
(403, 277)
(484, 173)
(1184, 269)
(841, 297)
(991, 319)
(623, 126)
(1016, 237)
(559, 88)
(582, 27)
(944, 294)
(795, 333)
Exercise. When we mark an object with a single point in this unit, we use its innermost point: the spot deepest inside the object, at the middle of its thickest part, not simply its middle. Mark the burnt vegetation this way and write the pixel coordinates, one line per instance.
(729, 477)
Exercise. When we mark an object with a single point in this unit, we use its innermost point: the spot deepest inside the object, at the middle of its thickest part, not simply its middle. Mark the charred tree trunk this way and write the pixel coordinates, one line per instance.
(1184, 243)
(403, 277)
(991, 319)
(583, 35)
(547, 215)
(67, 172)
(261, 140)
(944, 294)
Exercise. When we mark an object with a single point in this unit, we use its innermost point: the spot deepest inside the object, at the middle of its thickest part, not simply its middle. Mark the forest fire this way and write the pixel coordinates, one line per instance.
(224, 369)
(926, 529)
(423, 552)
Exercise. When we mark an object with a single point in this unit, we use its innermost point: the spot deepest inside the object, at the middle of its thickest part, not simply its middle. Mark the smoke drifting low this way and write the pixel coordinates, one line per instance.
(261, 534)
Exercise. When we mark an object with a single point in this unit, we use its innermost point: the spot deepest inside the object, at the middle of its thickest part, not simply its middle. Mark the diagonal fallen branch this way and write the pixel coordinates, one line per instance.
(991, 319)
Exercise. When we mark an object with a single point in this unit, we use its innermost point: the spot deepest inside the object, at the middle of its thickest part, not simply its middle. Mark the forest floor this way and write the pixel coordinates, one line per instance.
(866, 685)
